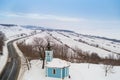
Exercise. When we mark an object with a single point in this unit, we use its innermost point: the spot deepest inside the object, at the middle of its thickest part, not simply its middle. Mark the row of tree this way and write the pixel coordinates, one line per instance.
(38, 47)
(2, 38)
(87, 57)
(63, 51)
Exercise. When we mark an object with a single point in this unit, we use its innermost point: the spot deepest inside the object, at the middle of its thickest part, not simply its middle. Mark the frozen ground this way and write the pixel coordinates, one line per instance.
(102, 43)
(85, 47)
(14, 31)
(77, 71)
(3, 58)
(11, 33)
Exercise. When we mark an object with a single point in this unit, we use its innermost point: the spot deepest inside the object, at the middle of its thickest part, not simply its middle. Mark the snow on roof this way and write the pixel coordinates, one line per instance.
(58, 63)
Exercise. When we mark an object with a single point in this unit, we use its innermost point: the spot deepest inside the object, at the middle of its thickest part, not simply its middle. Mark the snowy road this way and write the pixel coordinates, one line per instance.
(12, 68)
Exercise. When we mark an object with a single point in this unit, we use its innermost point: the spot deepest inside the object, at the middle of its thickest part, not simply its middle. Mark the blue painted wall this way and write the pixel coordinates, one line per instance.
(48, 56)
(65, 72)
(58, 74)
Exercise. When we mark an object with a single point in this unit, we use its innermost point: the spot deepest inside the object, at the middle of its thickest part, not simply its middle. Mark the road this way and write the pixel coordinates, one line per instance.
(12, 68)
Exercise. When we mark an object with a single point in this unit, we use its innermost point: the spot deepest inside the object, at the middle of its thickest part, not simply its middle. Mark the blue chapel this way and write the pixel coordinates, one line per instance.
(55, 67)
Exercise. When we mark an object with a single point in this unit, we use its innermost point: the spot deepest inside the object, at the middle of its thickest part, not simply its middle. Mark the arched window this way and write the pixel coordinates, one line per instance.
(54, 71)
(48, 54)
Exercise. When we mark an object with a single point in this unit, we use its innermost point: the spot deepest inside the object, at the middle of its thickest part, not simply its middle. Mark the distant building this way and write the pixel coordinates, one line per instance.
(55, 67)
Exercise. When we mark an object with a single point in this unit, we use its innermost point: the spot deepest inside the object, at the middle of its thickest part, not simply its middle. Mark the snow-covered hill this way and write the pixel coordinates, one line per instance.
(14, 31)
(103, 47)
(86, 44)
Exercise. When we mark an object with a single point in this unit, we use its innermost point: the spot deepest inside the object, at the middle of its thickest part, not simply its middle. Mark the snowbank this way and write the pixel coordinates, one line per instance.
(23, 62)
(4, 57)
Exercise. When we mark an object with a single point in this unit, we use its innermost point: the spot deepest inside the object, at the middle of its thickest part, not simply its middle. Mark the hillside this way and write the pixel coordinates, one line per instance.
(77, 46)
(92, 44)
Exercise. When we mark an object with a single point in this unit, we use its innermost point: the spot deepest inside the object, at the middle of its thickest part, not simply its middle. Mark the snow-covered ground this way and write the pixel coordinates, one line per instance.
(71, 40)
(11, 33)
(77, 72)
(110, 45)
(72, 43)
(3, 58)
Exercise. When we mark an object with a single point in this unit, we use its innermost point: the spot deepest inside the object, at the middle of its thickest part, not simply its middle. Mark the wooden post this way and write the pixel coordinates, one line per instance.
(27, 63)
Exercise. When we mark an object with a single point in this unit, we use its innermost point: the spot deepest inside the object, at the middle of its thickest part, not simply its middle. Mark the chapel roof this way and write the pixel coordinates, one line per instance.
(58, 63)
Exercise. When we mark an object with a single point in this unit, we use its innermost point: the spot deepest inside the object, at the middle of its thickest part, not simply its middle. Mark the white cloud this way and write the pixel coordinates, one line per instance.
(81, 25)
(42, 16)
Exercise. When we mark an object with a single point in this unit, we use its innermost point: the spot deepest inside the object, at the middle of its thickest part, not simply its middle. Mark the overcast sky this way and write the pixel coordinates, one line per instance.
(96, 17)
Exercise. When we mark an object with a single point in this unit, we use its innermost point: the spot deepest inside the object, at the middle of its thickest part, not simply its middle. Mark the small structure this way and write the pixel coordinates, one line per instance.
(55, 67)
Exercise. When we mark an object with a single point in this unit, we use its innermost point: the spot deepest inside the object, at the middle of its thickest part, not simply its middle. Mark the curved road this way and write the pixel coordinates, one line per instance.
(12, 68)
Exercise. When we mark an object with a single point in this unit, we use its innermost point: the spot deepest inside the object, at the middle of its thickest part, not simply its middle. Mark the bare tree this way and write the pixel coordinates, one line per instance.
(28, 50)
(60, 51)
(64, 52)
(57, 50)
(108, 69)
(118, 57)
(40, 45)
(2, 38)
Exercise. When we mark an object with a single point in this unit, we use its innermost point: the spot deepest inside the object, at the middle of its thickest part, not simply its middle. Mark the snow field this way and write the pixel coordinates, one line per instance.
(4, 57)
(113, 46)
(77, 72)
(70, 42)
(13, 31)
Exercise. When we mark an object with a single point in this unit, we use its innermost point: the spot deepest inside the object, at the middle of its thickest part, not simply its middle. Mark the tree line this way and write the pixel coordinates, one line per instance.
(2, 38)
(63, 51)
